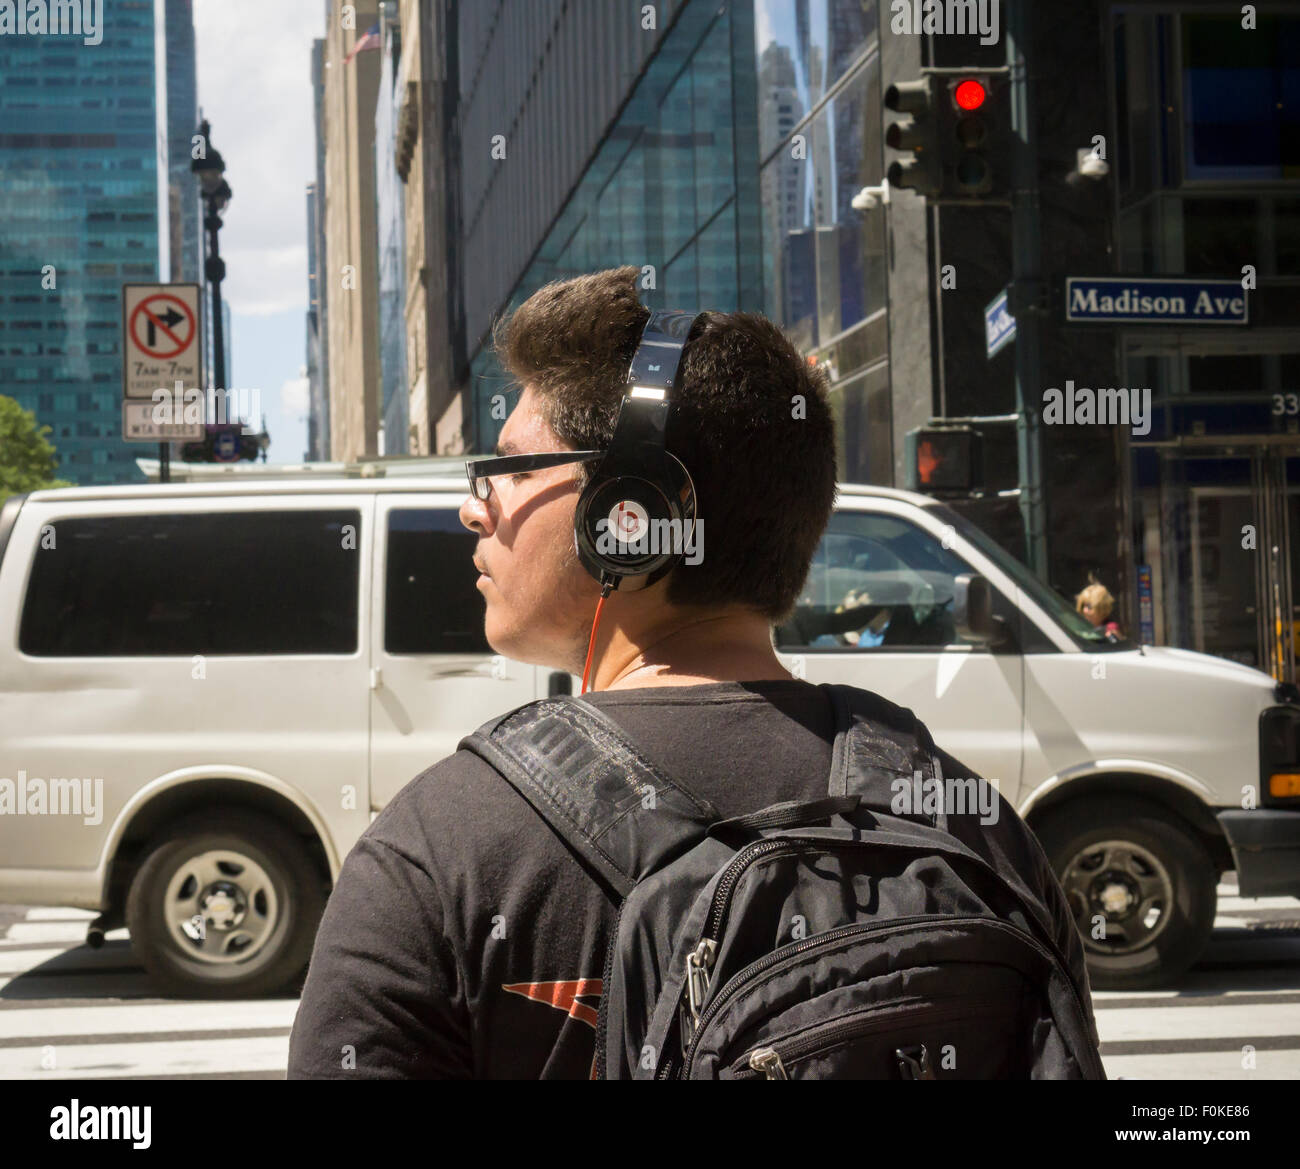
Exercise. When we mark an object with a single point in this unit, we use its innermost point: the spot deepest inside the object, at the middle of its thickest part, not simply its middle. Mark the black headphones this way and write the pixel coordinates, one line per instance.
(636, 517)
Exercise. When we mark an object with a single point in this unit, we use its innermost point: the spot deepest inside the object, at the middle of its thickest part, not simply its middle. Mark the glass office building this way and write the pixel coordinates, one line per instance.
(728, 178)
(1212, 189)
(672, 189)
(83, 191)
(182, 125)
(818, 65)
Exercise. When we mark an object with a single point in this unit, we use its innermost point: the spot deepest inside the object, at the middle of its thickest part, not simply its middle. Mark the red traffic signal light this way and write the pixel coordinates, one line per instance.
(943, 458)
(928, 461)
(969, 94)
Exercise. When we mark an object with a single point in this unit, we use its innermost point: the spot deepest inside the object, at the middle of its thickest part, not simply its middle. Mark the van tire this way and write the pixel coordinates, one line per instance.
(1067, 832)
(285, 901)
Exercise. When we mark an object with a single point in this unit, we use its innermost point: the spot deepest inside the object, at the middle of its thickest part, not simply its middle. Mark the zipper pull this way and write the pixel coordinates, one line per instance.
(698, 964)
(767, 1061)
(914, 1063)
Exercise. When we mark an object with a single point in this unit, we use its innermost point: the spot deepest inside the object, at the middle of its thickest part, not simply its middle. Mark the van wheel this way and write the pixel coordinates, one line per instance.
(225, 905)
(1141, 882)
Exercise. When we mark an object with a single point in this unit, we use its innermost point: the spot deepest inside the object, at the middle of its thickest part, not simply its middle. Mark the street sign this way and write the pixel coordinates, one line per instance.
(999, 324)
(138, 425)
(1157, 300)
(160, 339)
(225, 446)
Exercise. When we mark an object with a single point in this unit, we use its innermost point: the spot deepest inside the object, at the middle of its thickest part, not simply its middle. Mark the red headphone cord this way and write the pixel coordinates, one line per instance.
(606, 587)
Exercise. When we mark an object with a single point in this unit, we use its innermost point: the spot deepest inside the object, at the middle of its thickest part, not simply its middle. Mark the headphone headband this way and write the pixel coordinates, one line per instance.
(639, 487)
(659, 353)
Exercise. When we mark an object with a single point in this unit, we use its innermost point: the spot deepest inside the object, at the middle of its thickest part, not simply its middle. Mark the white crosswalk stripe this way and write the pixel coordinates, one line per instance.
(69, 1011)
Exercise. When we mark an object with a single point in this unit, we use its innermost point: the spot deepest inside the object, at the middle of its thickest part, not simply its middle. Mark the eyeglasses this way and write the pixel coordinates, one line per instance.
(481, 471)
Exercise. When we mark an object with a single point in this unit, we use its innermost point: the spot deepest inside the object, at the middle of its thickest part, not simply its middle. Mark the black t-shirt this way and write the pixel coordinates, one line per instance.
(465, 939)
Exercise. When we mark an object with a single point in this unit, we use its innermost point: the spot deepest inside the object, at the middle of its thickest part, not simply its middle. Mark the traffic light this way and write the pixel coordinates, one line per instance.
(975, 135)
(916, 135)
(958, 133)
(944, 458)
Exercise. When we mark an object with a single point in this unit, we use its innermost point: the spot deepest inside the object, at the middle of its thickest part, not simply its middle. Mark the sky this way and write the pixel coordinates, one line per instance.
(254, 66)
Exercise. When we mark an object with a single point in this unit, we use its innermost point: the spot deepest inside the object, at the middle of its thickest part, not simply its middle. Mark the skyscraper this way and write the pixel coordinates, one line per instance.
(182, 123)
(85, 207)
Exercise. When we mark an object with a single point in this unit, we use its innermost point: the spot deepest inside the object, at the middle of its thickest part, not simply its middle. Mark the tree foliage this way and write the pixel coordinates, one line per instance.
(27, 458)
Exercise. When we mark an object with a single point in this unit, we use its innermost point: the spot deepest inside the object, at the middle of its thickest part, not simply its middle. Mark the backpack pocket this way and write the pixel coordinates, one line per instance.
(876, 1000)
(909, 1040)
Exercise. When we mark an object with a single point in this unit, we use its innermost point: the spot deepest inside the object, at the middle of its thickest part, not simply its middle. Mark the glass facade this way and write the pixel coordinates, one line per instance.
(824, 262)
(671, 189)
(83, 171)
(390, 215)
(182, 124)
(1208, 184)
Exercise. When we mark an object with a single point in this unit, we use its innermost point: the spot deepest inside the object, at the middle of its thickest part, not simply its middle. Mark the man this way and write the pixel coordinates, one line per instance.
(464, 938)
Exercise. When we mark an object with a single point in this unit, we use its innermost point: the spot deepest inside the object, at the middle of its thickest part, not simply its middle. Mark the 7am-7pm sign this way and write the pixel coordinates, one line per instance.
(1165, 300)
(160, 339)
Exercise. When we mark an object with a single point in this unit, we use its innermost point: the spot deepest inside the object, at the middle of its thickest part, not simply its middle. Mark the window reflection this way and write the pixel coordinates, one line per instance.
(827, 272)
(820, 40)
(661, 191)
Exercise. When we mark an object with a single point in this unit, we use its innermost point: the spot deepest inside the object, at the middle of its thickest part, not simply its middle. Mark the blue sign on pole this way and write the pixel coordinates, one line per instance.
(225, 446)
(999, 324)
(1163, 300)
(1146, 606)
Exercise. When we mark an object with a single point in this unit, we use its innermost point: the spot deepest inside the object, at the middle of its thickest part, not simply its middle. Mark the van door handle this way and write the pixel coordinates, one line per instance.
(558, 683)
(376, 678)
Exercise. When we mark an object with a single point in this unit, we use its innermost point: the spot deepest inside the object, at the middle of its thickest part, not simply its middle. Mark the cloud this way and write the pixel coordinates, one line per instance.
(295, 396)
(261, 281)
(254, 65)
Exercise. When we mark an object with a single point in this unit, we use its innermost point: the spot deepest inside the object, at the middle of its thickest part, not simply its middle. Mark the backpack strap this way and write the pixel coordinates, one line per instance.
(877, 743)
(602, 797)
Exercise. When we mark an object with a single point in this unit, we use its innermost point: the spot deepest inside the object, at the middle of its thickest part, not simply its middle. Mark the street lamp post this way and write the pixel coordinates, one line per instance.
(216, 196)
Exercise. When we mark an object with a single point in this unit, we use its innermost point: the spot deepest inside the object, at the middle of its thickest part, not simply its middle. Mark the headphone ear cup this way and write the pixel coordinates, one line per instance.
(625, 527)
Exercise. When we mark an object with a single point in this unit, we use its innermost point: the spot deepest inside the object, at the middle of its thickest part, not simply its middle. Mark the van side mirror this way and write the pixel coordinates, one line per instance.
(972, 609)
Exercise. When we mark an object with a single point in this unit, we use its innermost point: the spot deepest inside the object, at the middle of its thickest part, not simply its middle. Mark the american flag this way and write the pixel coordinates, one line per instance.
(369, 41)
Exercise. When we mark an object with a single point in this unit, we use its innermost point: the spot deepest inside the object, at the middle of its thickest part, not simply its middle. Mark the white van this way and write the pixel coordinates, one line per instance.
(207, 690)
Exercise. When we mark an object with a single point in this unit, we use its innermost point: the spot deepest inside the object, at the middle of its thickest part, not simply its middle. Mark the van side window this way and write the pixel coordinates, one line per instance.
(431, 604)
(175, 585)
(876, 581)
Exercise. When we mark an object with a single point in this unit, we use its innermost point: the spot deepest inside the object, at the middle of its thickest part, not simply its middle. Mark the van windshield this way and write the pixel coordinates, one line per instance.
(1081, 630)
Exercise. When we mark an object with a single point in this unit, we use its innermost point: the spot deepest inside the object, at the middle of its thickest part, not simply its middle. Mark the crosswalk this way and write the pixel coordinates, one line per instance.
(70, 1012)
(1235, 1016)
(67, 1011)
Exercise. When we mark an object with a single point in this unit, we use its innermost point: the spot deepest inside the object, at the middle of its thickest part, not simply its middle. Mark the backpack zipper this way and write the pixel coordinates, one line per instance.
(767, 1061)
(863, 1022)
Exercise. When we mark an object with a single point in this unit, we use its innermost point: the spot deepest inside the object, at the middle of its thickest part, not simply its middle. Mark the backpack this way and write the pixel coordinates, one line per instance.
(831, 939)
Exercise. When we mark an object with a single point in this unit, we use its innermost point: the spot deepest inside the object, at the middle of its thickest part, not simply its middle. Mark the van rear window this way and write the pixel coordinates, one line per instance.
(215, 583)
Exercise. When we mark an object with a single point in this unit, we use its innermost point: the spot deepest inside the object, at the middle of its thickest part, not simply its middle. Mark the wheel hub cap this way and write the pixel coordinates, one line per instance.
(1115, 898)
(222, 907)
(1121, 895)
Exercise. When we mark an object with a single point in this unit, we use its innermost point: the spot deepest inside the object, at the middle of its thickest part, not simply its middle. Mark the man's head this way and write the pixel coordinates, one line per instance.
(751, 424)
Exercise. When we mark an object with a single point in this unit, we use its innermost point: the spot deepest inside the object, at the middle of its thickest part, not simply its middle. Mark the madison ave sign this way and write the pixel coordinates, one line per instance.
(1169, 300)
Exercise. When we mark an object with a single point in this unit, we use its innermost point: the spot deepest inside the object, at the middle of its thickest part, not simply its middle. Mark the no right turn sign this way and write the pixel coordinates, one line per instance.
(160, 342)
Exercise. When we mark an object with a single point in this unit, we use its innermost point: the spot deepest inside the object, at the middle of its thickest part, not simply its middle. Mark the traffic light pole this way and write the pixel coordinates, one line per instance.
(1028, 291)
